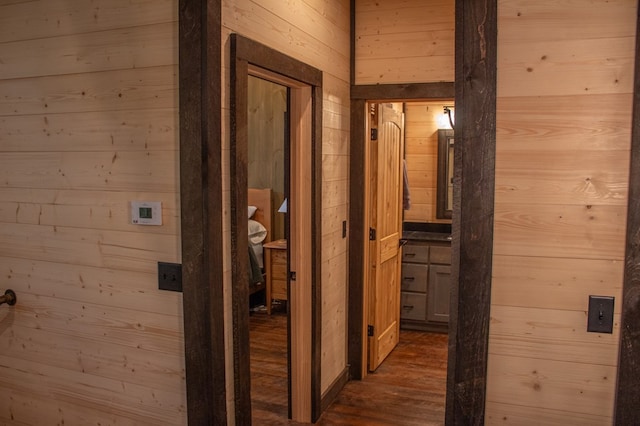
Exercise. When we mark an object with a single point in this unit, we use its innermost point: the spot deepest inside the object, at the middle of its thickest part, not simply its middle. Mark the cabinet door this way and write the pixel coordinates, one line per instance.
(438, 293)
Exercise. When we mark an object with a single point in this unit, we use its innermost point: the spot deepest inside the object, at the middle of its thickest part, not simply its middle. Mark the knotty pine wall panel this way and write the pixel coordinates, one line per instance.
(409, 41)
(421, 154)
(88, 122)
(317, 34)
(565, 77)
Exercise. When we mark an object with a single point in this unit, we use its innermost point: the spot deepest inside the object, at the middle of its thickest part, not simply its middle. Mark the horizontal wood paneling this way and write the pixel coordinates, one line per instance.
(334, 308)
(51, 18)
(117, 91)
(121, 289)
(564, 123)
(511, 414)
(88, 123)
(135, 251)
(563, 231)
(552, 283)
(557, 385)
(144, 130)
(421, 154)
(294, 37)
(548, 20)
(70, 319)
(411, 41)
(77, 388)
(139, 47)
(108, 171)
(562, 330)
(83, 209)
(537, 69)
(565, 78)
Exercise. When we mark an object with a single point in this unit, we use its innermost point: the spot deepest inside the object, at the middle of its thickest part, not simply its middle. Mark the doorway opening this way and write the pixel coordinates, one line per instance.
(267, 177)
(407, 277)
(291, 264)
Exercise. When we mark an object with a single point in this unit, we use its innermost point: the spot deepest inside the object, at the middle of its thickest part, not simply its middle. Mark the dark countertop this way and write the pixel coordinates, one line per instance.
(425, 236)
(420, 231)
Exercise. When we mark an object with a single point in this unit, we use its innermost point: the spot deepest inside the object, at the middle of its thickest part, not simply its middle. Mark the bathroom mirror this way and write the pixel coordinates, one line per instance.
(444, 189)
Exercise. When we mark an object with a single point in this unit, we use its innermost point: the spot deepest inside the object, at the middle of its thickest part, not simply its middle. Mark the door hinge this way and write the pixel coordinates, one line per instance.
(372, 234)
(292, 275)
(374, 134)
(370, 330)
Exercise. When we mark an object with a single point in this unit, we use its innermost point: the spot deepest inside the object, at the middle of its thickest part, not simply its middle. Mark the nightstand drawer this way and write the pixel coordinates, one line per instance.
(415, 253)
(279, 257)
(413, 306)
(279, 272)
(279, 289)
(414, 277)
(275, 257)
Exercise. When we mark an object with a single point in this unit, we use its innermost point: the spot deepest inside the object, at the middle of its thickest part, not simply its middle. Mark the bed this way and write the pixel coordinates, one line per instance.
(260, 214)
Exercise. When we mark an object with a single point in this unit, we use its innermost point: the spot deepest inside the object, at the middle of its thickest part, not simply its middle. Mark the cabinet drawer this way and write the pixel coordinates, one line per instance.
(279, 272)
(415, 253)
(414, 277)
(279, 257)
(279, 289)
(413, 306)
(440, 254)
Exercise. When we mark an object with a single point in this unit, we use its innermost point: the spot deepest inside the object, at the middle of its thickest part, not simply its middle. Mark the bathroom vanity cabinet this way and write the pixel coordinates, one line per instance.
(426, 282)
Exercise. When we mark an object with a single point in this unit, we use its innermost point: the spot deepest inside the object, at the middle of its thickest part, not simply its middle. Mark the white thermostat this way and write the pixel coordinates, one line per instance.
(146, 212)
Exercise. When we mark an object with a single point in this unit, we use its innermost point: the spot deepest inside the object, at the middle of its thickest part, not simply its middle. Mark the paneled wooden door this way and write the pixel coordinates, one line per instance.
(385, 219)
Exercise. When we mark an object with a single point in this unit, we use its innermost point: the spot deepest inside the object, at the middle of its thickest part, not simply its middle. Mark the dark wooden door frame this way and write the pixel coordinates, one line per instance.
(246, 52)
(474, 182)
(201, 213)
(475, 97)
(627, 409)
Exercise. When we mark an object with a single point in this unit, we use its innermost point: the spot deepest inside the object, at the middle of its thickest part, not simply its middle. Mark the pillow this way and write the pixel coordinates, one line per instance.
(252, 211)
(257, 232)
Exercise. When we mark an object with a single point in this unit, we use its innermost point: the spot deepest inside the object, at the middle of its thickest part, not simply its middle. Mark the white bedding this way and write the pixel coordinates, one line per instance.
(257, 234)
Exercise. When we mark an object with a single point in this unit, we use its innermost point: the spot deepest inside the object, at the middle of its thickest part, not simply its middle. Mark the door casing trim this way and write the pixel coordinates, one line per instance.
(246, 53)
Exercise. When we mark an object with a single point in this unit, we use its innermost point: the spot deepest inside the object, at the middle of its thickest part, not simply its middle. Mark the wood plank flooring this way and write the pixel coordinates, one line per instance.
(407, 389)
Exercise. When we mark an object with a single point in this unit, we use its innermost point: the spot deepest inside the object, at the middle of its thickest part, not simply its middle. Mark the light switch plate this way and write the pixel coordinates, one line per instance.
(600, 316)
(170, 276)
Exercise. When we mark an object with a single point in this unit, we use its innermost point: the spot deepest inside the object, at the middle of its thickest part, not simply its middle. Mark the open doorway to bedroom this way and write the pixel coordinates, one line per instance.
(291, 266)
(267, 178)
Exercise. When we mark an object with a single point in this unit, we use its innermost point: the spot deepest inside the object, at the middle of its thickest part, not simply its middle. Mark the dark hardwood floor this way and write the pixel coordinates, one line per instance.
(407, 389)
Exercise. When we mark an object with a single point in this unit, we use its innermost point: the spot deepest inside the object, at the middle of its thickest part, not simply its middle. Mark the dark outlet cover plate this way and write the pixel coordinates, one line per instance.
(170, 276)
(600, 317)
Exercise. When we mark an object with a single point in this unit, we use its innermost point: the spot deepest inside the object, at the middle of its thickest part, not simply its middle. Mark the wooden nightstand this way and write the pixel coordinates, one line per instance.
(275, 263)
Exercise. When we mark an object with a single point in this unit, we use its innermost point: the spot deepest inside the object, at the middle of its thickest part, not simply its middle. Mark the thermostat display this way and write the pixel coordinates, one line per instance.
(146, 212)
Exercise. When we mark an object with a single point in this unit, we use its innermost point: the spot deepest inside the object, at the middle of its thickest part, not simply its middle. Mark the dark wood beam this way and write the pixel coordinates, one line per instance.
(201, 215)
(400, 92)
(627, 409)
(473, 210)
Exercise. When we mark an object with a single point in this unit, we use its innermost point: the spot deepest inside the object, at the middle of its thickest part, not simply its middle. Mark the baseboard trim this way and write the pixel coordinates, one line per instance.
(332, 392)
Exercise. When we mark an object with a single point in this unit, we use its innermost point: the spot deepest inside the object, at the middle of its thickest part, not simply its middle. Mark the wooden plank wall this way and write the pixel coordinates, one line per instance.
(317, 34)
(267, 105)
(565, 82)
(564, 109)
(407, 41)
(88, 122)
(421, 153)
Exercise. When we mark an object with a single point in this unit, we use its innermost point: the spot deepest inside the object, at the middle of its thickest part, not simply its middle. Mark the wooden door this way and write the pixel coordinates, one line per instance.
(385, 231)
